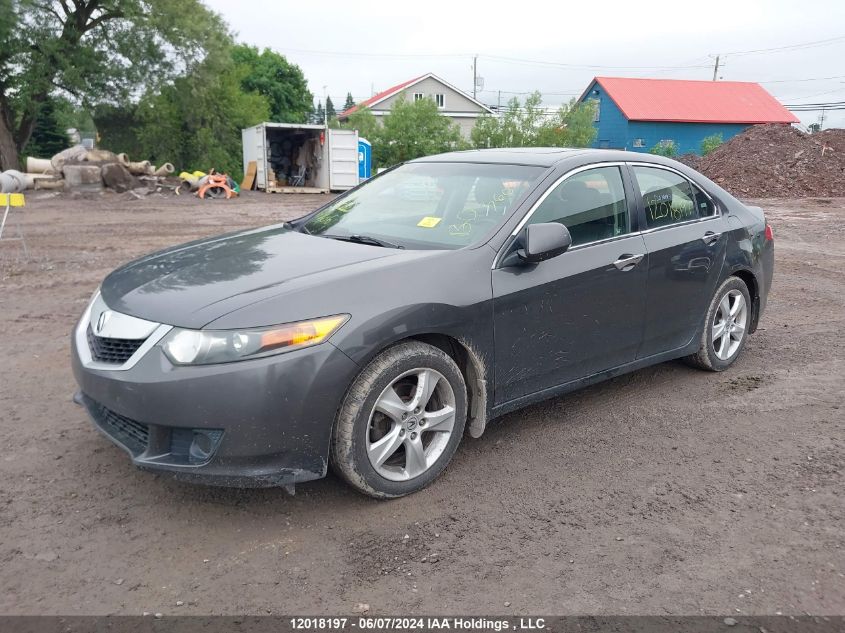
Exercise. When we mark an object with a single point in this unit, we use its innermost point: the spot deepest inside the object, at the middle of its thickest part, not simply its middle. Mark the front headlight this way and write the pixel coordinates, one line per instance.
(204, 347)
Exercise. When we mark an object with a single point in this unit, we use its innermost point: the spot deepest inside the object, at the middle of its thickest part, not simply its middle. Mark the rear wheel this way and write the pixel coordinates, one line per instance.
(401, 421)
(725, 327)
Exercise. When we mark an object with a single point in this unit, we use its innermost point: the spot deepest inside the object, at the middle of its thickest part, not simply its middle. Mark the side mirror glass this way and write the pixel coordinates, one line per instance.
(544, 241)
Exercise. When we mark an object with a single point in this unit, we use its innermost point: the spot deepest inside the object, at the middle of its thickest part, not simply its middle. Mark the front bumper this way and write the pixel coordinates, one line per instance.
(255, 423)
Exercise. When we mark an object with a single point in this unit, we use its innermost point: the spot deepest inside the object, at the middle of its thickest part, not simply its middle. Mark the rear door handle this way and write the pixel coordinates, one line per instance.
(710, 237)
(627, 262)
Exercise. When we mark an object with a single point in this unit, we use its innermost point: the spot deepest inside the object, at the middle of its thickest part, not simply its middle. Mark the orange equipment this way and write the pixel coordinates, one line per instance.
(216, 186)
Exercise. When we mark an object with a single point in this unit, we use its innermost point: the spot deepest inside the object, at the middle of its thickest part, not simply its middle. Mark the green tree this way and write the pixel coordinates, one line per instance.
(530, 125)
(282, 83)
(330, 111)
(709, 143)
(319, 113)
(49, 136)
(195, 122)
(362, 120)
(665, 148)
(93, 50)
(350, 102)
(414, 129)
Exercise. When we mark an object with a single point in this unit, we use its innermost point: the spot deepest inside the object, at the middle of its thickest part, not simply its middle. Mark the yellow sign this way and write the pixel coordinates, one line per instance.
(429, 222)
(11, 200)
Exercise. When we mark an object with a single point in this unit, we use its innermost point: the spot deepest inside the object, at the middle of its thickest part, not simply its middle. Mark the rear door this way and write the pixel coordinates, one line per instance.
(343, 159)
(686, 237)
(581, 312)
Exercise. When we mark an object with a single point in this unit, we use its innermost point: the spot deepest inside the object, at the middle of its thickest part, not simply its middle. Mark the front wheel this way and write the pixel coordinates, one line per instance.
(401, 421)
(725, 327)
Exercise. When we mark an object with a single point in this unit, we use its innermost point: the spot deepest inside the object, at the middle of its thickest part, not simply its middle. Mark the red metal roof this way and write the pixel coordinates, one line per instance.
(378, 97)
(694, 101)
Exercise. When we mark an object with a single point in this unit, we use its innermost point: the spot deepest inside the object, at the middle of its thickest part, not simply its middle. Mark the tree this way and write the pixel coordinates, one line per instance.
(709, 143)
(665, 147)
(91, 50)
(364, 121)
(195, 122)
(530, 125)
(350, 102)
(319, 113)
(412, 130)
(330, 111)
(282, 83)
(49, 136)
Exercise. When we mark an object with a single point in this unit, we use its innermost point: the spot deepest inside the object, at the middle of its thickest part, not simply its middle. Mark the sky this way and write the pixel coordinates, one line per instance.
(363, 47)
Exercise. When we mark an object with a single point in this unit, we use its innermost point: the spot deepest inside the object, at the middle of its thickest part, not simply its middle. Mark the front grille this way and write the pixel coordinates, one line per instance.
(112, 350)
(134, 435)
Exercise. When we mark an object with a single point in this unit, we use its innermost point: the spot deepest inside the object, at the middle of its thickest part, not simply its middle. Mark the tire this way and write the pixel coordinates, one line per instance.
(380, 445)
(721, 353)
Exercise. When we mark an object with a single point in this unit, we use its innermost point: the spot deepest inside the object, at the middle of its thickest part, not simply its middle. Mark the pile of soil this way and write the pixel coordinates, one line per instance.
(690, 160)
(779, 161)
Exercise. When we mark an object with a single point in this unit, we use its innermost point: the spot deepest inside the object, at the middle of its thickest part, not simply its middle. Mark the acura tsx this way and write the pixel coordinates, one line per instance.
(374, 333)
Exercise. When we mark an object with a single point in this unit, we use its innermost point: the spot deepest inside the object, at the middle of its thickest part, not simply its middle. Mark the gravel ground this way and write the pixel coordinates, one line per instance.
(666, 491)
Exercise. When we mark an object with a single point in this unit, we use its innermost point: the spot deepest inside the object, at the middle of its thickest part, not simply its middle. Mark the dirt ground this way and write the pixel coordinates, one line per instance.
(666, 491)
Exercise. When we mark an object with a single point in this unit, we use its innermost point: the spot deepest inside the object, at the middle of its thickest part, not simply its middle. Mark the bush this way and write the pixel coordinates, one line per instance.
(665, 148)
(709, 143)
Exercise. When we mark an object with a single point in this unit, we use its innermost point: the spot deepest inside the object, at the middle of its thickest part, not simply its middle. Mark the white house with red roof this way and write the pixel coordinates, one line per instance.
(452, 102)
(637, 114)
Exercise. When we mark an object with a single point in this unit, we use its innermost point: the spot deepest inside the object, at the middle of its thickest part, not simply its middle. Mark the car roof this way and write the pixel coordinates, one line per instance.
(539, 156)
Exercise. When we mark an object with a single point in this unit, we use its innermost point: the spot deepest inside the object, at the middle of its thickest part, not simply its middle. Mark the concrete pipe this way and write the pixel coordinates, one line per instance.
(123, 159)
(144, 168)
(164, 170)
(38, 165)
(12, 181)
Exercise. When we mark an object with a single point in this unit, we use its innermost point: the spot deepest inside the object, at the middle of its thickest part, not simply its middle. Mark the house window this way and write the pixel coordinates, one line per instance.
(596, 109)
(418, 96)
(639, 142)
(440, 100)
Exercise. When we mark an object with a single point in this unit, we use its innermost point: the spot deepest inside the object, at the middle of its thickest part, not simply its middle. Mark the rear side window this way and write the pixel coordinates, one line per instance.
(591, 204)
(669, 198)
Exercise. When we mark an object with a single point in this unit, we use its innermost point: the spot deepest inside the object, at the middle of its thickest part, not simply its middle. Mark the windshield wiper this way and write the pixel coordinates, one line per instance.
(364, 239)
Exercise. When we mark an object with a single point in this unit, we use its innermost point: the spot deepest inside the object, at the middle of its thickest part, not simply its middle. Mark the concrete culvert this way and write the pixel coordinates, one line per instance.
(164, 170)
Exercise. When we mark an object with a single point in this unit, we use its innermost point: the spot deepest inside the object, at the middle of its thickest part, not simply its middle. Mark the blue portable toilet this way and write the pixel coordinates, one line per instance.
(365, 159)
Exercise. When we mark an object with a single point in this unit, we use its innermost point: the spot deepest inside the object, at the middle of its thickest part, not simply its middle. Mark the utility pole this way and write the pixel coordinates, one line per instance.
(716, 69)
(474, 74)
(821, 120)
(499, 102)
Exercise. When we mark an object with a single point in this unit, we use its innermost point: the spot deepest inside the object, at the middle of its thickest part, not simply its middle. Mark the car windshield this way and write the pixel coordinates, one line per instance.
(426, 205)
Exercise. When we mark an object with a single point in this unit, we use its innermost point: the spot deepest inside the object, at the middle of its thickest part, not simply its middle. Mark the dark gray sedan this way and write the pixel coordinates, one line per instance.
(373, 333)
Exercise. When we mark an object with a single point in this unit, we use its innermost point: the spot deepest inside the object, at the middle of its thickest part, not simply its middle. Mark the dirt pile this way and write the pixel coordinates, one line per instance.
(779, 161)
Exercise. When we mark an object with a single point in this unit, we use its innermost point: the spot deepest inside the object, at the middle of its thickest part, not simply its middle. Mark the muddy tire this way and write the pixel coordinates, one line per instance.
(400, 422)
(725, 328)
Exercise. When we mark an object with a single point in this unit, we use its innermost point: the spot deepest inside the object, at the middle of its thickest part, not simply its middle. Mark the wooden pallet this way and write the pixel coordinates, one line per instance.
(296, 190)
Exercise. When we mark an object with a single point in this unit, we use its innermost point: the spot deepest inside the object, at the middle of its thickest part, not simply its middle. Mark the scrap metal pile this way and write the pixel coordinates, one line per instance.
(82, 169)
(779, 161)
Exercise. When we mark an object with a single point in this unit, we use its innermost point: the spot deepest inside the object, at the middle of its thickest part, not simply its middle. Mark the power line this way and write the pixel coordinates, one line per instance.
(832, 40)
(537, 62)
(786, 81)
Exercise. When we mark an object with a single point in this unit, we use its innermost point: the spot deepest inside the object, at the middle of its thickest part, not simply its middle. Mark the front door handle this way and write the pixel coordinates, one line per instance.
(627, 262)
(710, 237)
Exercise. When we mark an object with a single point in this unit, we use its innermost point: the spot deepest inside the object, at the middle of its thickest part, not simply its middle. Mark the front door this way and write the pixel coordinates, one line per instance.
(686, 240)
(581, 312)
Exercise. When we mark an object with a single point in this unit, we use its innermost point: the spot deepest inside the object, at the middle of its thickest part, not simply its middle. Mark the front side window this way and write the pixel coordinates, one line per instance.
(440, 100)
(418, 96)
(427, 205)
(591, 204)
(667, 197)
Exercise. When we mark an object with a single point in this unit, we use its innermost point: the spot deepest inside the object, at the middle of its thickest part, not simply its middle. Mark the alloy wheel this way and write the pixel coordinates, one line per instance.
(729, 324)
(411, 424)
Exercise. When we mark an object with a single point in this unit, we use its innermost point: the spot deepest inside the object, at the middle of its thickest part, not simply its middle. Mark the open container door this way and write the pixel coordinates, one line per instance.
(255, 149)
(343, 159)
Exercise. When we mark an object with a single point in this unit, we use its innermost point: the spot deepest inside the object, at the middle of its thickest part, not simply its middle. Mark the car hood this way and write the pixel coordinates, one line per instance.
(196, 283)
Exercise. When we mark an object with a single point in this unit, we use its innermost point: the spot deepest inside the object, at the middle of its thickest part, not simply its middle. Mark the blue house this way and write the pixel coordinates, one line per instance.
(637, 114)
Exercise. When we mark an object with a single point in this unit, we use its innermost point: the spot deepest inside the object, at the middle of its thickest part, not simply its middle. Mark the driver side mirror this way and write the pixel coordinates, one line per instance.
(543, 241)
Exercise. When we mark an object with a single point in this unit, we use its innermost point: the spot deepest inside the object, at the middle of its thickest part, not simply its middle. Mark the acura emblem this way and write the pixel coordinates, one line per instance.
(105, 315)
